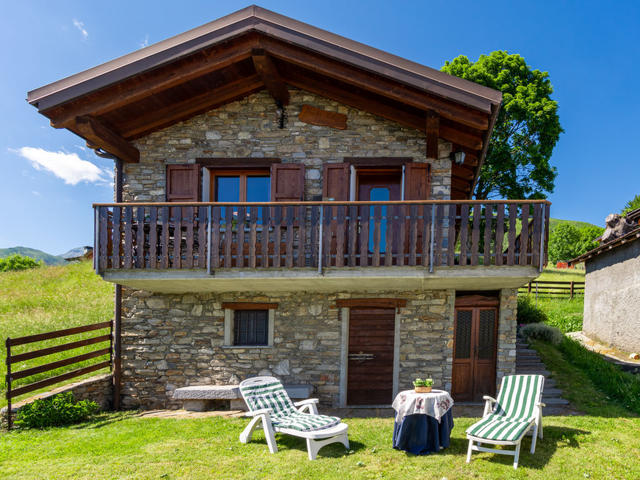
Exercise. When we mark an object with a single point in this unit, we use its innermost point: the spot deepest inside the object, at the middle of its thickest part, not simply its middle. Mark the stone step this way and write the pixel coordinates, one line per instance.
(555, 401)
(532, 371)
(530, 366)
(559, 410)
(551, 391)
(526, 361)
(525, 351)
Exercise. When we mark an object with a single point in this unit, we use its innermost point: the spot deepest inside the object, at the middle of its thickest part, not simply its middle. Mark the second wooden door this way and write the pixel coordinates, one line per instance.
(370, 368)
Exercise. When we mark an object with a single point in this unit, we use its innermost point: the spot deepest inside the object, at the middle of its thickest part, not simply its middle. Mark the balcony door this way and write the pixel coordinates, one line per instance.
(379, 186)
(474, 348)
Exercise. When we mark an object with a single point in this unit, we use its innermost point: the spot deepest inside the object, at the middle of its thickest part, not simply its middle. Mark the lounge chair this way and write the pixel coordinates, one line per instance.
(268, 401)
(508, 419)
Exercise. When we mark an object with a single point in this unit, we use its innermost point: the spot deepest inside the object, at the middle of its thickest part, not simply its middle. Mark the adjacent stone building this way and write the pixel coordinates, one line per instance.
(294, 203)
(612, 290)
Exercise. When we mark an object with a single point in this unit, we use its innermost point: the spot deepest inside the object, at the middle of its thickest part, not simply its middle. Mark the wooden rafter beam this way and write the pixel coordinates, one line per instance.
(462, 172)
(433, 132)
(268, 72)
(99, 136)
(176, 112)
(375, 84)
(122, 94)
(460, 185)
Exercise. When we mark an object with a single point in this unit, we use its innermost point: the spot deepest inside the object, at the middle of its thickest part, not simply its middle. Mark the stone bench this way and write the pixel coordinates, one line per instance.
(199, 398)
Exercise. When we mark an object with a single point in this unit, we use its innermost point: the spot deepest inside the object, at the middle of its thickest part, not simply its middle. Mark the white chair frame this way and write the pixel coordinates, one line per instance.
(315, 439)
(536, 424)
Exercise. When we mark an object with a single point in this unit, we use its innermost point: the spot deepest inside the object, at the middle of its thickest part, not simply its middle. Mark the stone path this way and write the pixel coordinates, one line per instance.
(528, 362)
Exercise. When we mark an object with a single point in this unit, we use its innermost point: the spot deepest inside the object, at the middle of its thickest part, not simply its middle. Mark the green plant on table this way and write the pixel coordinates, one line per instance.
(419, 382)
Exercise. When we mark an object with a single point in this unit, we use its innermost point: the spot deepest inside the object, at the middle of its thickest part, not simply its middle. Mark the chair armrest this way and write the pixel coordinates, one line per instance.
(487, 405)
(307, 401)
(489, 399)
(541, 404)
(262, 411)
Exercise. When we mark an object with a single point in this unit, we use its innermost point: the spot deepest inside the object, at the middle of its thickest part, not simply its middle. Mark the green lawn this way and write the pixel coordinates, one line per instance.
(551, 274)
(51, 298)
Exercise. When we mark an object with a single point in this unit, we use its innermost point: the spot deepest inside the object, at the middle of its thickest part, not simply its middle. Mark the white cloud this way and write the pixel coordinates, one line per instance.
(67, 166)
(35, 192)
(80, 26)
(145, 42)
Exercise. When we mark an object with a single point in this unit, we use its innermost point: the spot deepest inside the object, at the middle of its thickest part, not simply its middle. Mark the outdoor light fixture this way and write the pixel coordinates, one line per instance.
(458, 157)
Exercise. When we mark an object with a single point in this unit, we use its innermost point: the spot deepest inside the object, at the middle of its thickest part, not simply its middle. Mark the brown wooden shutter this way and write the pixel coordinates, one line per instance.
(417, 181)
(335, 181)
(287, 182)
(183, 183)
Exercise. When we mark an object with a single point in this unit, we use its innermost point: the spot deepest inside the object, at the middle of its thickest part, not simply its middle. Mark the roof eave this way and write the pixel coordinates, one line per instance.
(257, 19)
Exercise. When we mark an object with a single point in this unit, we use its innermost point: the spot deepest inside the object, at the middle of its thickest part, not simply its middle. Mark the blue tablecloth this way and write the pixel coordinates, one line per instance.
(422, 434)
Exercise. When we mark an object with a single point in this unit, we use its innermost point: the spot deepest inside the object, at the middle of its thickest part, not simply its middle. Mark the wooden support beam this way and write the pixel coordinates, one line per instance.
(270, 77)
(112, 98)
(461, 185)
(99, 135)
(463, 172)
(176, 112)
(433, 132)
(376, 84)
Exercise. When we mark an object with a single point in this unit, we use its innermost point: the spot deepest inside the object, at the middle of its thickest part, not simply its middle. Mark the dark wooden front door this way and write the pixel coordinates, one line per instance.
(474, 353)
(370, 368)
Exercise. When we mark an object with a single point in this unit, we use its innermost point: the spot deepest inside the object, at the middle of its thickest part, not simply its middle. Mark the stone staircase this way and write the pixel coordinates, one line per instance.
(528, 362)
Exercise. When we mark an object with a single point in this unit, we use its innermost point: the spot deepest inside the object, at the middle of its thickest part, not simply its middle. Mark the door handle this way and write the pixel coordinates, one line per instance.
(361, 356)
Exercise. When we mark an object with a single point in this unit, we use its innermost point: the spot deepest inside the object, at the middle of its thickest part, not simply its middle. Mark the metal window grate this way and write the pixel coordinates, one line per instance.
(463, 334)
(486, 334)
(250, 327)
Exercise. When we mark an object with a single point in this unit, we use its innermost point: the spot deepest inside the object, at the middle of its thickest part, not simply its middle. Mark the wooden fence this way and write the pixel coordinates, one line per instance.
(13, 359)
(553, 289)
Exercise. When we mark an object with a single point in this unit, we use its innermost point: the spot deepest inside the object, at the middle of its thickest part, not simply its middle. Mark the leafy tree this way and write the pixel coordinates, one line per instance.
(632, 204)
(18, 262)
(526, 130)
(563, 242)
(567, 241)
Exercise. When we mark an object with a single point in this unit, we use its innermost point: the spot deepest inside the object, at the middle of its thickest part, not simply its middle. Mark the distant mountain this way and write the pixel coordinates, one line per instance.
(554, 222)
(33, 253)
(76, 252)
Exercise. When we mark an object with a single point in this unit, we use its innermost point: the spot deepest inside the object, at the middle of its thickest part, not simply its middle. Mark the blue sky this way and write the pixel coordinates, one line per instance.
(591, 51)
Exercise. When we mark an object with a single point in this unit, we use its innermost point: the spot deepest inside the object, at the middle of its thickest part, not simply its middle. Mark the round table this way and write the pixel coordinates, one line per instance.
(423, 421)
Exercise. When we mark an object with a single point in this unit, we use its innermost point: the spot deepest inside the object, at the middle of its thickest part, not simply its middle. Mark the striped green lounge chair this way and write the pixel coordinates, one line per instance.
(268, 401)
(508, 419)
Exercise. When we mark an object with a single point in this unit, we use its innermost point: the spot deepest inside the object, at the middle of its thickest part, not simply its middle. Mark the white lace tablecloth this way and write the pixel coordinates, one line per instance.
(434, 404)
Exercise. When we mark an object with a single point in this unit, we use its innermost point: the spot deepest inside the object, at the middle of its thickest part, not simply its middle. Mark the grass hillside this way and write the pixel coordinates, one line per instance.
(33, 253)
(554, 222)
(51, 298)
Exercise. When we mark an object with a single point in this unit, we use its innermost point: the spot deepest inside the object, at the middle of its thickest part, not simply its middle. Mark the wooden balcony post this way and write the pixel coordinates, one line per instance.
(8, 361)
(543, 231)
(320, 241)
(432, 235)
(209, 249)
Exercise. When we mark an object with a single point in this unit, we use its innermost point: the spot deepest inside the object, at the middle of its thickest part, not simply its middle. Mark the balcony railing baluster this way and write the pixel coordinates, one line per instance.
(320, 235)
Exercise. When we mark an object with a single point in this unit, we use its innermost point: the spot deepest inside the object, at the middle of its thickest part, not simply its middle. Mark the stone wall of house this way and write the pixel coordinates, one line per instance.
(249, 128)
(612, 297)
(507, 331)
(171, 341)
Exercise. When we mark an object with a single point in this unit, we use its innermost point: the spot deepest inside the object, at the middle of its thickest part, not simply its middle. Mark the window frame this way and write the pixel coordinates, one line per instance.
(242, 174)
(229, 322)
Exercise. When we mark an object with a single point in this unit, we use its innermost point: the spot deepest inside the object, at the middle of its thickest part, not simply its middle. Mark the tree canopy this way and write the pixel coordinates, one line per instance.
(632, 204)
(527, 129)
(568, 241)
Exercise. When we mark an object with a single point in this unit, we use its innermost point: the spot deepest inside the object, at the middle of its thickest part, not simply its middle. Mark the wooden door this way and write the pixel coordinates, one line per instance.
(370, 367)
(474, 353)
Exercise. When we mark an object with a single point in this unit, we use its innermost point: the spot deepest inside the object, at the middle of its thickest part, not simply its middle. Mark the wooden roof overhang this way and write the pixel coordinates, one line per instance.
(253, 49)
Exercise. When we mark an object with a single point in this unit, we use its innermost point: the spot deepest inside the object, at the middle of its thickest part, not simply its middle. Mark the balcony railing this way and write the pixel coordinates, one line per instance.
(318, 235)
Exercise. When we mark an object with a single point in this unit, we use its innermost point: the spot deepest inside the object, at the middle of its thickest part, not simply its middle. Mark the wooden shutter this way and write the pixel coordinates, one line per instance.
(287, 182)
(335, 181)
(183, 183)
(417, 181)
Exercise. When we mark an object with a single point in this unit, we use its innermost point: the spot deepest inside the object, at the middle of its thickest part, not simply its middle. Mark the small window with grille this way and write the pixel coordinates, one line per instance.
(251, 327)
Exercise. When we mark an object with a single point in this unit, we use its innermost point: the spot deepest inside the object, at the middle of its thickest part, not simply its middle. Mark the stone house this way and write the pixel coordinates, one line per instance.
(612, 290)
(292, 202)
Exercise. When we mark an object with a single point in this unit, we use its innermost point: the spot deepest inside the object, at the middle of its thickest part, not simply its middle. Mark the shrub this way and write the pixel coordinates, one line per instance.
(622, 386)
(528, 312)
(56, 411)
(540, 331)
(18, 262)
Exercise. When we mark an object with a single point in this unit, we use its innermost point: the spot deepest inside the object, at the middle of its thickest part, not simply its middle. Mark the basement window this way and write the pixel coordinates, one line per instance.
(248, 328)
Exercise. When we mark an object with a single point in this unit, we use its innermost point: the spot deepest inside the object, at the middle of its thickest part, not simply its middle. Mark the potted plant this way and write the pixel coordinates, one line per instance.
(422, 386)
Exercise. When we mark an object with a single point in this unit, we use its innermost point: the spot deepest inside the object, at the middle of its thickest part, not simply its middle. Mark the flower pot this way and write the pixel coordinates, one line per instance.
(422, 389)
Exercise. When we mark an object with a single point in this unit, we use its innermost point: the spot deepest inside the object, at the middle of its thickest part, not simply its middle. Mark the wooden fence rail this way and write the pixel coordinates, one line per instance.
(553, 289)
(320, 234)
(12, 359)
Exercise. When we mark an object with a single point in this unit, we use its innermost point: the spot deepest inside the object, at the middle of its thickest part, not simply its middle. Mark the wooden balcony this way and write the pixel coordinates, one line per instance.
(138, 244)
